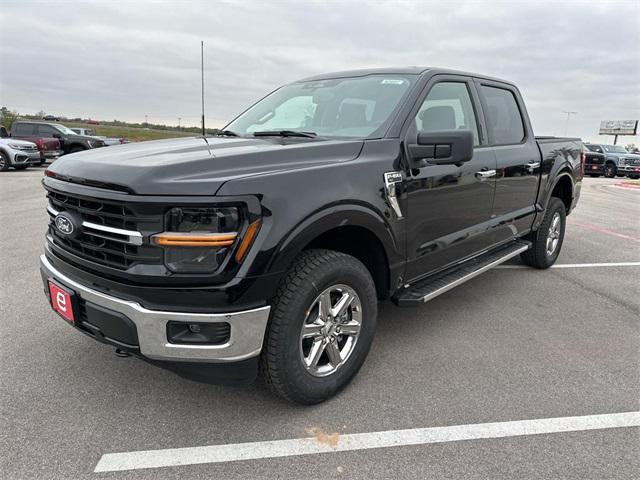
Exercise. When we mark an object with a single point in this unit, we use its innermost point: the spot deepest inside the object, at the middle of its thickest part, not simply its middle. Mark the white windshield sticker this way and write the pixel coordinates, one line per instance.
(393, 81)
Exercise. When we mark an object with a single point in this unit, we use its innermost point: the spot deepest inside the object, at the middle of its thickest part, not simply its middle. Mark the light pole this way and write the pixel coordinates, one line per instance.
(202, 73)
(566, 125)
(146, 120)
(179, 122)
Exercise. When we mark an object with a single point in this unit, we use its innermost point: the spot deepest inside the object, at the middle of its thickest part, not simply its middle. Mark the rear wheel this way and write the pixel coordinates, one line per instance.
(4, 162)
(547, 240)
(20, 167)
(76, 149)
(610, 170)
(322, 324)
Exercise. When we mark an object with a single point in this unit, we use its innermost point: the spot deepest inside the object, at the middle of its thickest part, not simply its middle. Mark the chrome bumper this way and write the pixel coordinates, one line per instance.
(247, 327)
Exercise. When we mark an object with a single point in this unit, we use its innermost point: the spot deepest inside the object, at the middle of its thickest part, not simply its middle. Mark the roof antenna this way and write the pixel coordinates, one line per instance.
(202, 69)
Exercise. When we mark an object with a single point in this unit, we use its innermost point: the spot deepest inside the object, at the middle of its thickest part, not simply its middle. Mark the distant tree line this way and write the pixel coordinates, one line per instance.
(7, 117)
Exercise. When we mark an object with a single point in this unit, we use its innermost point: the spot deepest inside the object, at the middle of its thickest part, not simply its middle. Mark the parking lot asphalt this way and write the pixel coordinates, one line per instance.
(512, 344)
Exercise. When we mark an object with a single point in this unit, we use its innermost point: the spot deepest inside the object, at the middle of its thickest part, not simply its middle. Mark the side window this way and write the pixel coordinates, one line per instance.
(503, 116)
(22, 129)
(46, 130)
(448, 106)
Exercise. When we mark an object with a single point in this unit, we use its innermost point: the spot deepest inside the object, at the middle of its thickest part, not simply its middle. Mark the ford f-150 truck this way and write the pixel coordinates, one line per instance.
(266, 248)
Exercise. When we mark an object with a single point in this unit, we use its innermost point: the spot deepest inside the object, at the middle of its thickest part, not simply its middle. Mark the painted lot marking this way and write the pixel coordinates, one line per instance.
(606, 231)
(578, 265)
(359, 441)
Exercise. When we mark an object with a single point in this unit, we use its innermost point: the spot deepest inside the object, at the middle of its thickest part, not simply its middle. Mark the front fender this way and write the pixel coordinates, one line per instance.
(327, 219)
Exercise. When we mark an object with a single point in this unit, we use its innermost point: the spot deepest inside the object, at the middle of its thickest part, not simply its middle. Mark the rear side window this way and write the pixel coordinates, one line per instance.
(22, 129)
(503, 116)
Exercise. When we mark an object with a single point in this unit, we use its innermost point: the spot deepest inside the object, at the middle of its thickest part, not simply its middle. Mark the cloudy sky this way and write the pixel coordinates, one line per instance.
(127, 59)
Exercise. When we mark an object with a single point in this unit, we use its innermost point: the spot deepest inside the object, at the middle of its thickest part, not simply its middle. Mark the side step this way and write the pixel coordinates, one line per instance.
(431, 287)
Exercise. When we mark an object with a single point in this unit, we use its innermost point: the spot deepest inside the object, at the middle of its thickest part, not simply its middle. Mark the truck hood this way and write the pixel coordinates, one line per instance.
(198, 166)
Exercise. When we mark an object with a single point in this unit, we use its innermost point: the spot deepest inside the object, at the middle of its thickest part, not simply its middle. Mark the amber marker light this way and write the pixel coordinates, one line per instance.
(252, 230)
(174, 239)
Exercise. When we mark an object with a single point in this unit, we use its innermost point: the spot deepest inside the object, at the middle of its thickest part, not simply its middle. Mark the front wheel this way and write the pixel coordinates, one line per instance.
(4, 162)
(20, 167)
(610, 170)
(322, 323)
(547, 240)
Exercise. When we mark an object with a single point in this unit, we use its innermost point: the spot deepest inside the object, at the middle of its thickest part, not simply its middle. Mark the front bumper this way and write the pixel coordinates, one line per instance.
(51, 154)
(22, 157)
(244, 343)
(629, 169)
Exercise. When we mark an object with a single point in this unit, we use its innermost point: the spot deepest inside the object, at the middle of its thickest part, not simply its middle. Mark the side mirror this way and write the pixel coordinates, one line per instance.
(57, 135)
(442, 147)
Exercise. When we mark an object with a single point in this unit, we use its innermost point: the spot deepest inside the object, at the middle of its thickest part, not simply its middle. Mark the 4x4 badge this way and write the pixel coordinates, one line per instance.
(392, 180)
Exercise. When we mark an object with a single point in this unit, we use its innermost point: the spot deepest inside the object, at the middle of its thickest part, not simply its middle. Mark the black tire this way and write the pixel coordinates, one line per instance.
(634, 177)
(281, 365)
(4, 162)
(610, 170)
(21, 167)
(77, 149)
(538, 256)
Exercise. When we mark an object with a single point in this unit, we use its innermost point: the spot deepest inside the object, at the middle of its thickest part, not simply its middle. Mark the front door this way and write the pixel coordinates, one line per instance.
(448, 206)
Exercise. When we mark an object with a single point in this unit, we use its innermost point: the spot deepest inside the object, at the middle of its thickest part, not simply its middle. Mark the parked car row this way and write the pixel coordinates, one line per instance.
(42, 141)
(107, 140)
(611, 161)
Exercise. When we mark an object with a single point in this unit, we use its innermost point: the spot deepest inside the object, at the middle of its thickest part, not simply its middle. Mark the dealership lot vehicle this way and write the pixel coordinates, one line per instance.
(70, 141)
(508, 346)
(618, 160)
(593, 162)
(48, 147)
(18, 154)
(192, 254)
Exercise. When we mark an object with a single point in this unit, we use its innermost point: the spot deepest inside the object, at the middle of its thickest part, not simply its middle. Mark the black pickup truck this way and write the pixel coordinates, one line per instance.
(267, 248)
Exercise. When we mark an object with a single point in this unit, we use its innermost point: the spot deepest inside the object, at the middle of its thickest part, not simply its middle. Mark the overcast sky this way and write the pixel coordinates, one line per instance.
(127, 59)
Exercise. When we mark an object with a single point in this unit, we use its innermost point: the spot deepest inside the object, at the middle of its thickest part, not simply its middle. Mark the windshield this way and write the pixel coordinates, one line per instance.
(65, 130)
(342, 107)
(615, 149)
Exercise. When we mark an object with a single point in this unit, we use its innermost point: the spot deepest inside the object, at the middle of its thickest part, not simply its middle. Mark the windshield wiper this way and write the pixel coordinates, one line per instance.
(285, 133)
(227, 133)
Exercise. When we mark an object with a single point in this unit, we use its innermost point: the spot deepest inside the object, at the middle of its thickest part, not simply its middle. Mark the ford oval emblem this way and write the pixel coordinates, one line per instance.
(64, 224)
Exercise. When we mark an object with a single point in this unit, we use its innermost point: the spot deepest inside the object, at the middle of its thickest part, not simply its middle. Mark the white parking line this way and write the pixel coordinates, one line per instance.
(578, 265)
(359, 441)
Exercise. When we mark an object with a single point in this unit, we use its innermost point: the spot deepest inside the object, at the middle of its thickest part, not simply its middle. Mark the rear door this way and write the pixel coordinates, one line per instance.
(517, 156)
(449, 206)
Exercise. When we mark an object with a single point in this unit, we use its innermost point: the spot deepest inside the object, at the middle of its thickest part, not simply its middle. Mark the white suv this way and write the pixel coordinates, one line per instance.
(18, 154)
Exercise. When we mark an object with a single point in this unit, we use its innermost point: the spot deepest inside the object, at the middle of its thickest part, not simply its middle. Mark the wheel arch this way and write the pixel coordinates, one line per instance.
(352, 229)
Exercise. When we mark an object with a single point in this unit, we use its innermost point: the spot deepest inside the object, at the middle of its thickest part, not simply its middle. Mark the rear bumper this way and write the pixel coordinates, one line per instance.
(150, 326)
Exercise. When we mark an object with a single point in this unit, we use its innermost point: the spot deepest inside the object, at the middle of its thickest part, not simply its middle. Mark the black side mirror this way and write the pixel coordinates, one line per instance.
(57, 135)
(442, 147)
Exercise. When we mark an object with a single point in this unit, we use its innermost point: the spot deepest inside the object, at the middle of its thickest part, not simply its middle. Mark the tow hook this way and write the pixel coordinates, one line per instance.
(122, 353)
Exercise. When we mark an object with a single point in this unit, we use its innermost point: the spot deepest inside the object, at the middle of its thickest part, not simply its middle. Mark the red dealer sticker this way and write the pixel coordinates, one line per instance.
(61, 302)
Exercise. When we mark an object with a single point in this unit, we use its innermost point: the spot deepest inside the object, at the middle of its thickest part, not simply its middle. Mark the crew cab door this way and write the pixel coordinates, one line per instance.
(448, 206)
(517, 156)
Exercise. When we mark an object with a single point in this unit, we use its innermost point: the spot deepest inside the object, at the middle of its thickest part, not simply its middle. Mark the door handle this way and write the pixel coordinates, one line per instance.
(486, 173)
(533, 164)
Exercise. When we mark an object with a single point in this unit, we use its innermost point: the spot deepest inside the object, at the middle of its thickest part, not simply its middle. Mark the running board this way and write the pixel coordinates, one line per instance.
(429, 288)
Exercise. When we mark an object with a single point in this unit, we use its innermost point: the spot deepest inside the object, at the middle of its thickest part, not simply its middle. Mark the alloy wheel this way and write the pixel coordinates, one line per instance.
(330, 330)
(553, 237)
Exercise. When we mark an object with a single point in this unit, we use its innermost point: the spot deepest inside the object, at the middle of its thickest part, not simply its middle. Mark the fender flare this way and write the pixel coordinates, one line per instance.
(328, 218)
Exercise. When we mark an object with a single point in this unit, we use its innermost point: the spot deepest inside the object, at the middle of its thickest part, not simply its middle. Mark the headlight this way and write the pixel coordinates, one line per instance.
(16, 146)
(197, 240)
(91, 143)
